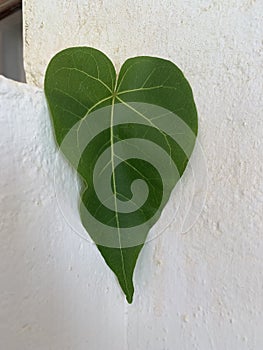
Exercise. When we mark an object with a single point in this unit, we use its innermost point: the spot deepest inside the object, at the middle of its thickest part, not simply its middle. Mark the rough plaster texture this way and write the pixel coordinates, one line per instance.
(201, 290)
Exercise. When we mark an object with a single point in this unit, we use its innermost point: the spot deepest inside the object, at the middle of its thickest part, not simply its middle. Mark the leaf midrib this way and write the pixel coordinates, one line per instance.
(114, 185)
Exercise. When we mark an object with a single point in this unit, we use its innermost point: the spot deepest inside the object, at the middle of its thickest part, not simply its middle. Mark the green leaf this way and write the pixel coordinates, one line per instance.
(128, 137)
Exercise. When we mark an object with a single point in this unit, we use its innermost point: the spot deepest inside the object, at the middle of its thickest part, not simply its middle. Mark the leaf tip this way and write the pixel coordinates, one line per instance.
(129, 298)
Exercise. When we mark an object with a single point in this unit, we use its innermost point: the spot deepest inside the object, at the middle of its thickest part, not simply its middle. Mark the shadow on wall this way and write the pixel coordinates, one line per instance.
(11, 47)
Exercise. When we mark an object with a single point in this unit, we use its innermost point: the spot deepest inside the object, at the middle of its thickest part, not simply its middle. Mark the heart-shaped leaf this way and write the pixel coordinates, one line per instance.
(128, 137)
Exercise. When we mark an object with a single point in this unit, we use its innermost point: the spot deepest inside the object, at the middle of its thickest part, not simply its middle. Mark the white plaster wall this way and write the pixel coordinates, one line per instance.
(201, 290)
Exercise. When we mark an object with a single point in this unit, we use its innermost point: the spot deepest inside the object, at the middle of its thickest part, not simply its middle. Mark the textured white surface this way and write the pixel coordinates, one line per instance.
(201, 290)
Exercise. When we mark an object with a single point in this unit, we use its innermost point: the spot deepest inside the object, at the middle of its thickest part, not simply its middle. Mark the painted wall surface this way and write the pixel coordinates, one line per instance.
(199, 290)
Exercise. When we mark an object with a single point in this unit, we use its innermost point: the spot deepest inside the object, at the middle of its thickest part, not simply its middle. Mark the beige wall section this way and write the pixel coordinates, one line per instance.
(119, 28)
(199, 36)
